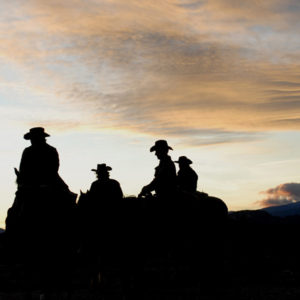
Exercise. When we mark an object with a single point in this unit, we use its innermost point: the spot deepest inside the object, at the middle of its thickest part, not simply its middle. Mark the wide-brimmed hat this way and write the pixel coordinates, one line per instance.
(160, 144)
(184, 160)
(102, 167)
(35, 132)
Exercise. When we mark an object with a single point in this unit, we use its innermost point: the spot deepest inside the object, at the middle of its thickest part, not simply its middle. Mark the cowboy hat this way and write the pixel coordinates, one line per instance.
(184, 160)
(102, 167)
(160, 144)
(35, 132)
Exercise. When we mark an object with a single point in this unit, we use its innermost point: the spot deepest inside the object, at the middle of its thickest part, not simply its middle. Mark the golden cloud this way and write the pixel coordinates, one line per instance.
(171, 66)
(282, 194)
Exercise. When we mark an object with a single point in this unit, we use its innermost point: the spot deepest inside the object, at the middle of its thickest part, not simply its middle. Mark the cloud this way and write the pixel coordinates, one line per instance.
(203, 137)
(182, 68)
(282, 194)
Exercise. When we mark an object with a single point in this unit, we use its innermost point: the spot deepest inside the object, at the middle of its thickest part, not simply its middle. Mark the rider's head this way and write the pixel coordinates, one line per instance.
(160, 153)
(102, 171)
(38, 140)
(161, 148)
(183, 162)
(36, 135)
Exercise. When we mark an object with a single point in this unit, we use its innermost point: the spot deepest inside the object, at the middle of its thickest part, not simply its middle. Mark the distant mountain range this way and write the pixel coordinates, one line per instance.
(291, 209)
(283, 214)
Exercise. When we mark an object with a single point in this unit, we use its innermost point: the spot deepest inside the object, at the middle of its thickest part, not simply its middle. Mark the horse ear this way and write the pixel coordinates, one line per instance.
(16, 171)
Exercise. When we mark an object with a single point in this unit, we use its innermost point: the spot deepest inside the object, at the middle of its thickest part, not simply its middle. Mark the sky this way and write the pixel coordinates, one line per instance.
(218, 79)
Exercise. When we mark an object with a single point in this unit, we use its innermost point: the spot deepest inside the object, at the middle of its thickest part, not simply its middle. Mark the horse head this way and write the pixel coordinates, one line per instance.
(83, 197)
(17, 172)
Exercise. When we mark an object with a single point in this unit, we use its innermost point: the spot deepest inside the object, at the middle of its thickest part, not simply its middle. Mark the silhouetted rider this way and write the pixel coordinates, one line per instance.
(104, 187)
(186, 176)
(42, 216)
(164, 182)
(40, 162)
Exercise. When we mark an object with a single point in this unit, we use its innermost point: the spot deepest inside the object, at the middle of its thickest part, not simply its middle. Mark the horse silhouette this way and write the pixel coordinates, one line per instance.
(40, 231)
(185, 231)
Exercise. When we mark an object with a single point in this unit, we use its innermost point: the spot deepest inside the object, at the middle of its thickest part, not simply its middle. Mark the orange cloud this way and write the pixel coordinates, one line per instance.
(282, 194)
(176, 66)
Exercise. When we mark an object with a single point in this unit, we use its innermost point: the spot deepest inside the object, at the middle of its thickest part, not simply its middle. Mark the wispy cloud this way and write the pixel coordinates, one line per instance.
(175, 67)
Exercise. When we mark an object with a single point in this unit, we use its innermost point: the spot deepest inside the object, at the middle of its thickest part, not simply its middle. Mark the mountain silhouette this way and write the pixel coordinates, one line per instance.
(290, 209)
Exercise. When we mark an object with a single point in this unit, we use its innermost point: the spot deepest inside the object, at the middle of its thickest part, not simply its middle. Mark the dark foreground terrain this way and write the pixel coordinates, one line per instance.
(252, 255)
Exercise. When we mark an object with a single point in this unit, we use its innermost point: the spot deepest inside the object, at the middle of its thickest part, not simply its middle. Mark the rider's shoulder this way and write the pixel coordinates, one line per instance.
(50, 148)
(114, 181)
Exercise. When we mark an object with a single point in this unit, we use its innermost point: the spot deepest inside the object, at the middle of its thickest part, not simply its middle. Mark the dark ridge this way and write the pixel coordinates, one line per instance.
(291, 209)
